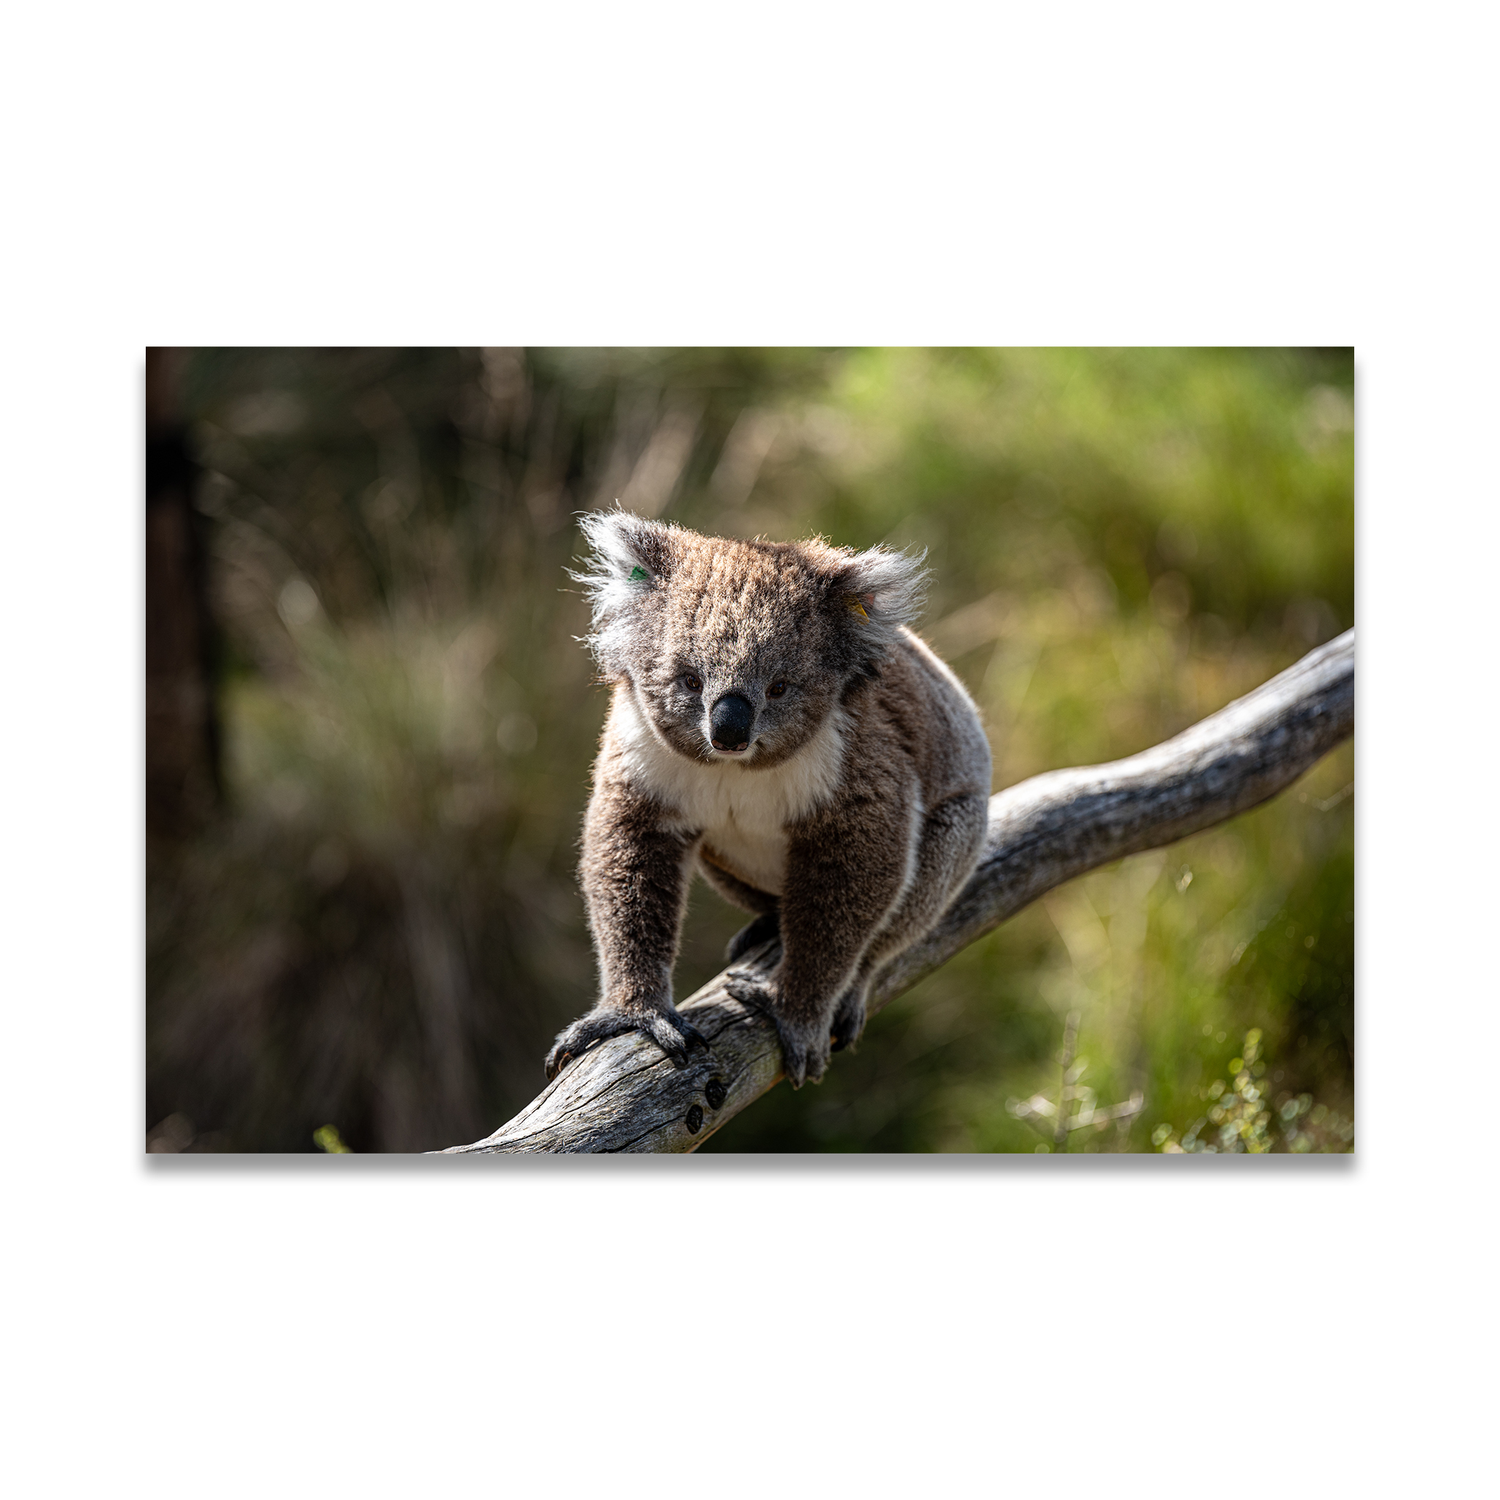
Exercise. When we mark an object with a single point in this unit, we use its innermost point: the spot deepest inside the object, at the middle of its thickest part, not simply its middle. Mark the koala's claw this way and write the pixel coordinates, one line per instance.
(743, 986)
(804, 1051)
(804, 1047)
(672, 1032)
(848, 1020)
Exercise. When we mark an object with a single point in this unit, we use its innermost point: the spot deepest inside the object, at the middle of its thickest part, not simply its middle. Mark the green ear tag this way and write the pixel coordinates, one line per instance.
(638, 575)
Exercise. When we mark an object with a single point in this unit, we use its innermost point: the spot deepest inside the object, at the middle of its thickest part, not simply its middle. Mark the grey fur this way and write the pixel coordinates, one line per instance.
(854, 816)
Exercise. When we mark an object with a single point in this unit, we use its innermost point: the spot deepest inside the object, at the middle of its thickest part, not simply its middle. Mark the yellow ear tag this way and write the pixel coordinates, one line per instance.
(851, 602)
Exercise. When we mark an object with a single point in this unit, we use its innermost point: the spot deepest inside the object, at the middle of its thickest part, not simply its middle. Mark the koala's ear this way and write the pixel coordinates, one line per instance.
(626, 555)
(881, 590)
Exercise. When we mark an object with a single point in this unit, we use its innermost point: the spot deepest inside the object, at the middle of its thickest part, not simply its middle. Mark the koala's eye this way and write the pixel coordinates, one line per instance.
(776, 689)
(693, 684)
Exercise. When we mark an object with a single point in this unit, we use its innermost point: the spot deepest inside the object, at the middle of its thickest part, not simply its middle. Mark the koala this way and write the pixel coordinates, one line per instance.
(776, 728)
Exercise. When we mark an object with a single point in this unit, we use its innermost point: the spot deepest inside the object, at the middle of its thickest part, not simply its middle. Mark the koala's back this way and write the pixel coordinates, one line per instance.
(919, 715)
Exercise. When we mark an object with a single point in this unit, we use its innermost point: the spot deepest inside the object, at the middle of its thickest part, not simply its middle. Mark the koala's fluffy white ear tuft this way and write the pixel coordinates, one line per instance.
(626, 555)
(883, 590)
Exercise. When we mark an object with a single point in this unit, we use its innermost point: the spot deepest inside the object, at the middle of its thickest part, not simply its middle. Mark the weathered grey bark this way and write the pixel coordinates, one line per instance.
(624, 1095)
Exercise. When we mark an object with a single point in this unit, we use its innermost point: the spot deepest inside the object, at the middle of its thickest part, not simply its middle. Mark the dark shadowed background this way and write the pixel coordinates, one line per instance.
(370, 724)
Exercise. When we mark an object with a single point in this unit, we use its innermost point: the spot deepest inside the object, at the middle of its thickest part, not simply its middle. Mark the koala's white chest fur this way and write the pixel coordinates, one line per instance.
(742, 813)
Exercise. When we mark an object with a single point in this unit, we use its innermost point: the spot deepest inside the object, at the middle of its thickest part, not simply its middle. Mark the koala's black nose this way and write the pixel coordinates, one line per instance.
(729, 723)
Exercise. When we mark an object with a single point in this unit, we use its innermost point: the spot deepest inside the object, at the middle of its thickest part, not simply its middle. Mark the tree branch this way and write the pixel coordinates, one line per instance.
(624, 1095)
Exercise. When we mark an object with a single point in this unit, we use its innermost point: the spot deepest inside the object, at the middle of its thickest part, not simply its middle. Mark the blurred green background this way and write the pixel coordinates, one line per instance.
(367, 769)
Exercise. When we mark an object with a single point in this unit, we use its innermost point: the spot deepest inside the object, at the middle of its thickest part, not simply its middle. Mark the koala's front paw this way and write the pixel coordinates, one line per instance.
(804, 1045)
(669, 1030)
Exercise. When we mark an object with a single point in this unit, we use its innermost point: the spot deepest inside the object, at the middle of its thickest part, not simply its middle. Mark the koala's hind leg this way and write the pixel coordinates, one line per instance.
(951, 841)
(765, 928)
(767, 924)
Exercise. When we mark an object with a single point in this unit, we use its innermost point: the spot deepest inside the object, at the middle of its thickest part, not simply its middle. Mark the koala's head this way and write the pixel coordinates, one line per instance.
(738, 651)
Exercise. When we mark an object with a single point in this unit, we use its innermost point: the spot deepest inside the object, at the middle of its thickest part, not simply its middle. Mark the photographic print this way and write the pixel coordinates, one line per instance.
(750, 750)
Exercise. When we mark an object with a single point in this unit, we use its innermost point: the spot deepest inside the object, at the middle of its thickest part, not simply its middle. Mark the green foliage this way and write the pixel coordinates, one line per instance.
(1246, 1114)
(385, 929)
(327, 1138)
